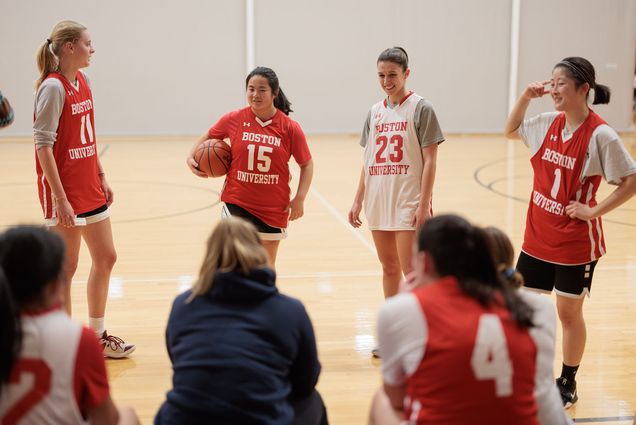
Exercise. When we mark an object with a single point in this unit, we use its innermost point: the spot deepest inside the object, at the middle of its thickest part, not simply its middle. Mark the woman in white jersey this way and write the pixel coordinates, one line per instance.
(400, 138)
(572, 150)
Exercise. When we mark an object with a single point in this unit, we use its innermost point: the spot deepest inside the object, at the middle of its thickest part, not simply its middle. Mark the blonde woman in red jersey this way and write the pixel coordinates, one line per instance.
(572, 149)
(72, 185)
(263, 139)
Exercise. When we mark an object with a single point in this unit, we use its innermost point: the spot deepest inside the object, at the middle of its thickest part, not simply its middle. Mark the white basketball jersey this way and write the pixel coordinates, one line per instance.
(392, 166)
(41, 386)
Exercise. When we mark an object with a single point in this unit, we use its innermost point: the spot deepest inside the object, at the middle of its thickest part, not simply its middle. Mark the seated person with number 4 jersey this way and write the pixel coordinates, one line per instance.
(464, 347)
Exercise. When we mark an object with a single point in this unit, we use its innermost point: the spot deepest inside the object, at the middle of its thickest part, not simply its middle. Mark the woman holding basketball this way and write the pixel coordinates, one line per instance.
(262, 139)
(400, 138)
(572, 149)
(72, 185)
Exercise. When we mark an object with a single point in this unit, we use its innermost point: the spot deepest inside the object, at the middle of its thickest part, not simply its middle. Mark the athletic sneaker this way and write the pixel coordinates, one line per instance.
(375, 353)
(115, 347)
(568, 391)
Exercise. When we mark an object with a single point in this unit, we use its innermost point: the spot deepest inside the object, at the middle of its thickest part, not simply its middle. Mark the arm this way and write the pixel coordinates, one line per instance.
(296, 206)
(305, 368)
(625, 190)
(356, 208)
(534, 90)
(65, 211)
(190, 162)
(402, 336)
(423, 211)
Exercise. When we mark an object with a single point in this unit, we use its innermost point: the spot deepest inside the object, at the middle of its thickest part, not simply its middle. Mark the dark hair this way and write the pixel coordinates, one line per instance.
(397, 55)
(503, 255)
(11, 335)
(31, 258)
(280, 100)
(461, 250)
(582, 71)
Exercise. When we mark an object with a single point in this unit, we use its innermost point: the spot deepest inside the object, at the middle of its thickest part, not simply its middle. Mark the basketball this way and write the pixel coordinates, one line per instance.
(214, 157)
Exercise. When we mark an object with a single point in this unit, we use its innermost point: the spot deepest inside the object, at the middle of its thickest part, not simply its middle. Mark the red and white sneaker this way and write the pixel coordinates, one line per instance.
(115, 347)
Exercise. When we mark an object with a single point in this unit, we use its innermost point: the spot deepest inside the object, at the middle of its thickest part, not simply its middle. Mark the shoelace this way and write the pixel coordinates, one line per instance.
(113, 342)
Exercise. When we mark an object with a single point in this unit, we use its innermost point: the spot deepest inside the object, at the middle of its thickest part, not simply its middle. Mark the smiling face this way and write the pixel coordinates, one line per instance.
(259, 95)
(392, 79)
(565, 95)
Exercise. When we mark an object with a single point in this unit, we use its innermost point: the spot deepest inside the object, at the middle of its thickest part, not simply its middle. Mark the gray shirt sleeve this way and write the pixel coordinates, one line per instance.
(49, 101)
(426, 125)
(608, 157)
(365, 130)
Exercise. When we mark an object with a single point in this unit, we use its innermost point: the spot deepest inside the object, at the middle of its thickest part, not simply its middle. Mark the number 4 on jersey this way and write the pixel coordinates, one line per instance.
(490, 359)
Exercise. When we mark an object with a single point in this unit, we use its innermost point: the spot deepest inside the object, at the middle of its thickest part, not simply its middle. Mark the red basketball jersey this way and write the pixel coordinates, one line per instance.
(478, 365)
(75, 152)
(551, 235)
(258, 180)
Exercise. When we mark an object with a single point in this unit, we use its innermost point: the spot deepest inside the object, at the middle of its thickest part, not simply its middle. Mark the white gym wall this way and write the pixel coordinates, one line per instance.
(165, 67)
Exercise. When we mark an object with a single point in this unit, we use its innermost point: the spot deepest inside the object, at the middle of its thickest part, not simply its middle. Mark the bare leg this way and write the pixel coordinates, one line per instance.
(72, 238)
(99, 239)
(386, 246)
(574, 333)
(405, 241)
(272, 249)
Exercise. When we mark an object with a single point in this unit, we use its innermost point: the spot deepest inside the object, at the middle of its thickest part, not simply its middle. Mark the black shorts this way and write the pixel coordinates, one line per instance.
(568, 281)
(265, 231)
(94, 212)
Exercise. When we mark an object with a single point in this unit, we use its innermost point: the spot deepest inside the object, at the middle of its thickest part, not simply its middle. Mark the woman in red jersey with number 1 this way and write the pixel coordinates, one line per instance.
(572, 150)
(263, 138)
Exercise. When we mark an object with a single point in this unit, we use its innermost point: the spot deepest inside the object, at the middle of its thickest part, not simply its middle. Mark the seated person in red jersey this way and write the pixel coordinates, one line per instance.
(463, 347)
(52, 369)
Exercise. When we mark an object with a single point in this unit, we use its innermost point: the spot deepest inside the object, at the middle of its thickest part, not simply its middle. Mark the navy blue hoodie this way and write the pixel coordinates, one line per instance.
(239, 353)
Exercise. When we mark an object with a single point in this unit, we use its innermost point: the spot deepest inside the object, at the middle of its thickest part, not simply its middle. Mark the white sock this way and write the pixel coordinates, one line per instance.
(97, 323)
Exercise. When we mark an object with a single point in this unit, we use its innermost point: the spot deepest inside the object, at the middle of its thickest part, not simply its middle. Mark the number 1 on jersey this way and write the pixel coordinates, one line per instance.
(490, 359)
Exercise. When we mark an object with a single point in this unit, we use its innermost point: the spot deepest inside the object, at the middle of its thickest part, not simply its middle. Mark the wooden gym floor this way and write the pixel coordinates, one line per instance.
(163, 214)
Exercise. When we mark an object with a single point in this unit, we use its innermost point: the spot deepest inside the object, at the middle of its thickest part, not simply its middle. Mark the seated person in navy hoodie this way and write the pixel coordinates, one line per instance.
(242, 353)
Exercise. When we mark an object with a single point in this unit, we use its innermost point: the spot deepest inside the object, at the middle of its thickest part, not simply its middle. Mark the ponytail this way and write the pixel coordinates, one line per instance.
(47, 62)
(10, 330)
(281, 102)
(601, 94)
(48, 55)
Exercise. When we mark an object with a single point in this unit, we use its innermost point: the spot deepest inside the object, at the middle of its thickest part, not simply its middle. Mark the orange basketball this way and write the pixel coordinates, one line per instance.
(214, 157)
